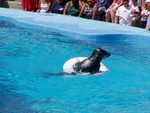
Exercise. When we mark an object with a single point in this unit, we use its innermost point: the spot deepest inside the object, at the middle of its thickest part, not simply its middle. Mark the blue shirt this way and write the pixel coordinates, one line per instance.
(57, 7)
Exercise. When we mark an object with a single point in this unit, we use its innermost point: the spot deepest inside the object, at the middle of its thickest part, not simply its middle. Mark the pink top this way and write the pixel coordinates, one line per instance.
(118, 1)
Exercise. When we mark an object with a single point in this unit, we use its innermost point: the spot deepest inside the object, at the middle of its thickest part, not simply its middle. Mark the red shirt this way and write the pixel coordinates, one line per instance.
(30, 5)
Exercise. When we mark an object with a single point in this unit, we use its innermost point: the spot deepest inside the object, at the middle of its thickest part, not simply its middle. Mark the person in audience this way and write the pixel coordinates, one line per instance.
(110, 12)
(52, 1)
(139, 4)
(30, 5)
(145, 14)
(123, 14)
(143, 3)
(134, 9)
(44, 6)
(72, 8)
(102, 7)
(58, 7)
(90, 10)
(135, 14)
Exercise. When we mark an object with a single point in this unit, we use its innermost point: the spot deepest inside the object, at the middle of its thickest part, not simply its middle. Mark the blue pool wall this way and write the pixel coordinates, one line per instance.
(65, 24)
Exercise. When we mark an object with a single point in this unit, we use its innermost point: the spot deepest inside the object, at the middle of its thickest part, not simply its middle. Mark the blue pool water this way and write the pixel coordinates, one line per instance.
(26, 55)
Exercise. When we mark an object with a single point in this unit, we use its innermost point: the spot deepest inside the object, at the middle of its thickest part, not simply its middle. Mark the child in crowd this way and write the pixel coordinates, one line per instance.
(90, 10)
(145, 14)
(135, 14)
(30, 5)
(134, 10)
(44, 6)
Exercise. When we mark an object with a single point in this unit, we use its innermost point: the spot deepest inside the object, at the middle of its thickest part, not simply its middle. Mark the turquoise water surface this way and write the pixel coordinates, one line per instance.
(26, 55)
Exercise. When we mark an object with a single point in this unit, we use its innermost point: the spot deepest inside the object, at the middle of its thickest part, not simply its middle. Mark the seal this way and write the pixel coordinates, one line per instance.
(91, 64)
(68, 67)
(84, 65)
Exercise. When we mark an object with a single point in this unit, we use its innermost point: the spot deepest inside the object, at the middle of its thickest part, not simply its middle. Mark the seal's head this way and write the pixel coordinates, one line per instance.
(99, 54)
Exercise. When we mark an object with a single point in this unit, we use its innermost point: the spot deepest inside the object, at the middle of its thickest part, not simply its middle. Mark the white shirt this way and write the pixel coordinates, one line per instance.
(146, 12)
(124, 15)
(136, 8)
(43, 8)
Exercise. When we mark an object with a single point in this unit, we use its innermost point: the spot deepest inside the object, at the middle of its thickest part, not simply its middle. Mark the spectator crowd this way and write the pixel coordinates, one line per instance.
(126, 12)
